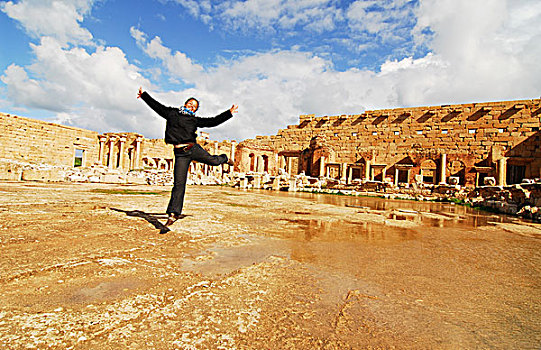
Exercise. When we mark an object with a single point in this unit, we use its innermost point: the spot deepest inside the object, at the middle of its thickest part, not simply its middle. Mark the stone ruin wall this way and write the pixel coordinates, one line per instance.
(25, 140)
(32, 149)
(468, 141)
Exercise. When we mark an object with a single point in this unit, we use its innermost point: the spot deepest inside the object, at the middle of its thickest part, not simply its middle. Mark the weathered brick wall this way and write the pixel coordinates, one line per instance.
(37, 142)
(476, 134)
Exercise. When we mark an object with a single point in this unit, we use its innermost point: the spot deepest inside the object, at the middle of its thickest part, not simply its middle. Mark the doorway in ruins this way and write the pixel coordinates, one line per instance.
(402, 176)
(252, 162)
(292, 165)
(356, 173)
(289, 161)
(79, 157)
(457, 169)
(333, 170)
(515, 173)
(428, 171)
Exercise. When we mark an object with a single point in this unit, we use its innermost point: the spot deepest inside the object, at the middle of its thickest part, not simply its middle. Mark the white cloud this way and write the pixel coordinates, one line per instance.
(387, 20)
(478, 51)
(59, 19)
(490, 48)
(267, 15)
(178, 64)
(96, 90)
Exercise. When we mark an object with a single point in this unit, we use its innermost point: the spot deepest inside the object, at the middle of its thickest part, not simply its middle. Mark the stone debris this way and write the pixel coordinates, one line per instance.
(520, 199)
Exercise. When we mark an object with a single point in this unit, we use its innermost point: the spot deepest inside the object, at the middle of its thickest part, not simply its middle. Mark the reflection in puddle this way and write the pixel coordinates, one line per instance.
(321, 230)
(337, 242)
(452, 215)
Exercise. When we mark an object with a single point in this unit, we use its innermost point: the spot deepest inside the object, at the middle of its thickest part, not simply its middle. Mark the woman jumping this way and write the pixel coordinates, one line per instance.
(180, 131)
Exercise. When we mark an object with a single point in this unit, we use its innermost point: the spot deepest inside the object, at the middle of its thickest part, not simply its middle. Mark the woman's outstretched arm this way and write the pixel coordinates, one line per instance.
(152, 103)
(217, 120)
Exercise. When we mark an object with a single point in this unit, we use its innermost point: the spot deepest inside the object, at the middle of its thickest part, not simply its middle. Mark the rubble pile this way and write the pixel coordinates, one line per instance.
(519, 199)
(522, 199)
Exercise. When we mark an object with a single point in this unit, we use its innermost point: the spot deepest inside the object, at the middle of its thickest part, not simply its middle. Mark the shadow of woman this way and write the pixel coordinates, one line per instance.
(152, 218)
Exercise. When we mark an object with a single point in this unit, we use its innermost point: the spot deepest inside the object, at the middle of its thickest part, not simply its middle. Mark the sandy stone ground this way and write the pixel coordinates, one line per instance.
(84, 266)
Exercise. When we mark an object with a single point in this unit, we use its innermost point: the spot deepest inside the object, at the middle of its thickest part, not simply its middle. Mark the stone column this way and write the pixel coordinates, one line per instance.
(137, 159)
(322, 166)
(292, 185)
(258, 161)
(396, 177)
(343, 175)
(111, 146)
(383, 174)
(257, 181)
(367, 170)
(101, 154)
(288, 160)
(350, 175)
(233, 149)
(502, 171)
(121, 153)
(276, 183)
(443, 173)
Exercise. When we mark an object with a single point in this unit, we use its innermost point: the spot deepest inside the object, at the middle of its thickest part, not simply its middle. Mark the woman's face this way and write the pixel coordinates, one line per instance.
(192, 105)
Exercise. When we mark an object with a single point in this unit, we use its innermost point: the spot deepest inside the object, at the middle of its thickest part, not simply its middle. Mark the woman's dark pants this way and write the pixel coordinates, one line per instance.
(182, 164)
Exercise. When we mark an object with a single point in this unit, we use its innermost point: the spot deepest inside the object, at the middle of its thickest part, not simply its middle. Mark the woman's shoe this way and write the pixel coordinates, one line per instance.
(171, 219)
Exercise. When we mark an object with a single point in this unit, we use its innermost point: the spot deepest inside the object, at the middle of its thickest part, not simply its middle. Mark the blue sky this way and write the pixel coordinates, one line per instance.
(80, 62)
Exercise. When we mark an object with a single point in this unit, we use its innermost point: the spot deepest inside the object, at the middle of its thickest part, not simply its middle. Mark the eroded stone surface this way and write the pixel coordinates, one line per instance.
(85, 268)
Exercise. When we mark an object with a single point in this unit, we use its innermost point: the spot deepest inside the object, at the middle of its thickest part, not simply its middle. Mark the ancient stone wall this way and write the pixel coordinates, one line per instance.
(157, 154)
(36, 146)
(468, 142)
(37, 142)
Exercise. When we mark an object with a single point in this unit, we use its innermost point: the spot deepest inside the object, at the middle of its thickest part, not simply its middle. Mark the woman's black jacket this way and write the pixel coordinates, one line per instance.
(181, 127)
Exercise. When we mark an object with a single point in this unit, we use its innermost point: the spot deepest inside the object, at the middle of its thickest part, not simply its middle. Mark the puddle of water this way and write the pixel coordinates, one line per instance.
(335, 231)
(224, 260)
(458, 215)
(303, 235)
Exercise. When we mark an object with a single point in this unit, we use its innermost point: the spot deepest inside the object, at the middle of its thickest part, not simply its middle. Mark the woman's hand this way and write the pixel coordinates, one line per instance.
(234, 109)
(140, 92)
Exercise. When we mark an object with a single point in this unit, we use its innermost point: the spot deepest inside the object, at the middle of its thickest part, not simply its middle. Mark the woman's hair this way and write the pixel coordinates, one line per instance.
(193, 98)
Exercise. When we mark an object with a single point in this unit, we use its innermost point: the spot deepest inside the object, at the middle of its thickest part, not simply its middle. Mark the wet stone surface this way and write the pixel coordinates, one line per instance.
(84, 266)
